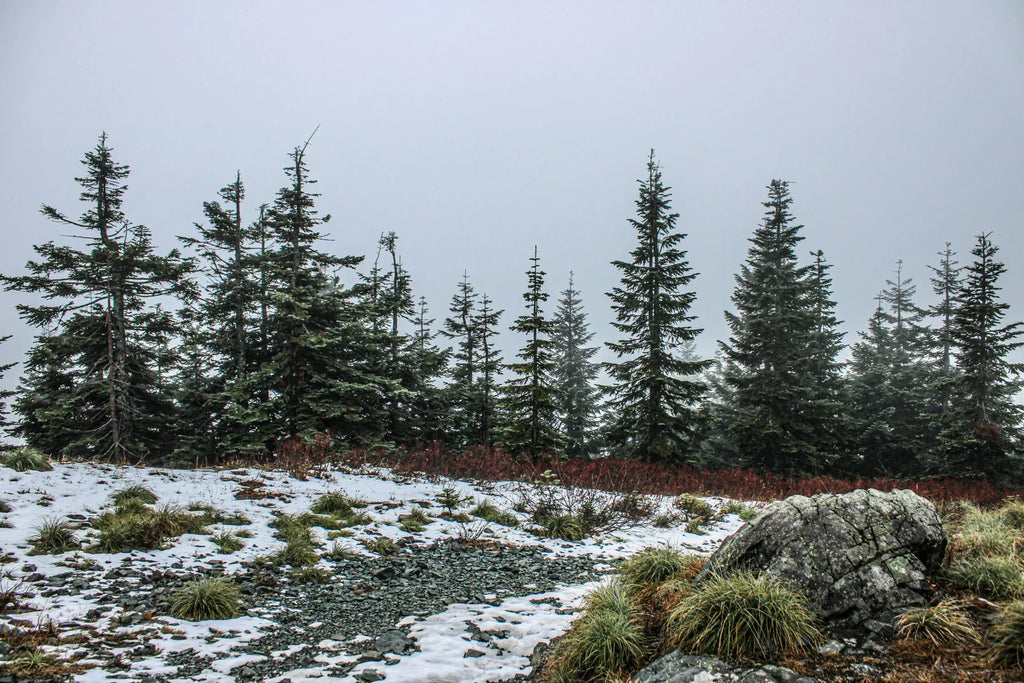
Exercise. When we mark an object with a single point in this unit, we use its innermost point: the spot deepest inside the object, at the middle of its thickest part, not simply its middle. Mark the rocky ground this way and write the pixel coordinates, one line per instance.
(458, 601)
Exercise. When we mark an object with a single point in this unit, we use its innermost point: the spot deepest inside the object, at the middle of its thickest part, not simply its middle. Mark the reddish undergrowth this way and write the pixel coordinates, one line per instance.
(612, 474)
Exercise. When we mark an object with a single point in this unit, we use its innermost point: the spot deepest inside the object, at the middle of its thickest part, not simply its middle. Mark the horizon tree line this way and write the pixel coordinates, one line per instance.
(265, 344)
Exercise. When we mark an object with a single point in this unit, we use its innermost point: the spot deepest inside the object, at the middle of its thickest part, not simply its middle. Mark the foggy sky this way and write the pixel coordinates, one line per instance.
(476, 130)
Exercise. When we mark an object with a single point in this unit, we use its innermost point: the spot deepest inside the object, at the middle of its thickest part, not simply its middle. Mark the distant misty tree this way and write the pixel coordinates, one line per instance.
(779, 351)
(460, 327)
(945, 283)
(653, 395)
(429, 409)
(489, 368)
(5, 394)
(529, 401)
(92, 385)
(983, 437)
(575, 373)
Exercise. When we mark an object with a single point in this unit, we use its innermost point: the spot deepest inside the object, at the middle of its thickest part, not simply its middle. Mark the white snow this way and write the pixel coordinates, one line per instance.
(444, 638)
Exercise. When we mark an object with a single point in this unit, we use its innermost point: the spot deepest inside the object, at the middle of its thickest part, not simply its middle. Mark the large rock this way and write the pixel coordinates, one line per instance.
(859, 557)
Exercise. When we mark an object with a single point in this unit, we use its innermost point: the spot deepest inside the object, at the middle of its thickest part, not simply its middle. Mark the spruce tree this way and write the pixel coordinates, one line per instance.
(870, 407)
(778, 416)
(654, 391)
(322, 366)
(984, 432)
(826, 371)
(92, 376)
(5, 394)
(486, 323)
(945, 285)
(429, 409)
(232, 309)
(575, 373)
(461, 327)
(529, 401)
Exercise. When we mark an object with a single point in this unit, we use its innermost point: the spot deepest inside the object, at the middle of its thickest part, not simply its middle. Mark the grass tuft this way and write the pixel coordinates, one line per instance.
(490, 512)
(131, 495)
(54, 536)
(565, 527)
(27, 458)
(382, 545)
(944, 625)
(998, 578)
(605, 641)
(334, 503)
(742, 615)
(1007, 645)
(314, 574)
(227, 542)
(657, 565)
(693, 506)
(215, 598)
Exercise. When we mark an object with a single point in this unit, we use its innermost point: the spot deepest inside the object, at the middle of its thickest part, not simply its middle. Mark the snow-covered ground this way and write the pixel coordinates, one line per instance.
(448, 651)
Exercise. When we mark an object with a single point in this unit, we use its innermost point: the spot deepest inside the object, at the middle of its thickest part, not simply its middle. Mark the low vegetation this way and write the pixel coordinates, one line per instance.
(213, 598)
(133, 525)
(26, 458)
(945, 624)
(55, 536)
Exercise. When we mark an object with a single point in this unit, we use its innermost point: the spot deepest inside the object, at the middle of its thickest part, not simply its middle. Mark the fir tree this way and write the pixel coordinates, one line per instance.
(5, 394)
(654, 392)
(429, 408)
(322, 366)
(575, 373)
(529, 403)
(489, 371)
(945, 284)
(233, 307)
(460, 326)
(778, 413)
(984, 435)
(826, 371)
(870, 407)
(92, 376)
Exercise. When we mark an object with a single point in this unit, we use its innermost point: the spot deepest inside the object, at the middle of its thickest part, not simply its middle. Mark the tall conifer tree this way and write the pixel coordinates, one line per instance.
(654, 391)
(530, 394)
(778, 415)
(92, 387)
(984, 434)
(575, 373)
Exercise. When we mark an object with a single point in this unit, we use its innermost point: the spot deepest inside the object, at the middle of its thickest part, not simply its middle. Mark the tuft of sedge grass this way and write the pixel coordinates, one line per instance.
(490, 512)
(337, 552)
(1007, 637)
(136, 493)
(742, 615)
(606, 641)
(227, 542)
(317, 575)
(693, 506)
(1013, 513)
(565, 527)
(334, 503)
(27, 458)
(215, 598)
(143, 529)
(5, 506)
(381, 545)
(998, 578)
(945, 624)
(984, 533)
(415, 521)
(657, 565)
(54, 536)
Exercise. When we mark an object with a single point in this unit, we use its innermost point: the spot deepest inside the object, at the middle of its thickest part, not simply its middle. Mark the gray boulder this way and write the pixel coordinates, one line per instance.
(676, 667)
(858, 557)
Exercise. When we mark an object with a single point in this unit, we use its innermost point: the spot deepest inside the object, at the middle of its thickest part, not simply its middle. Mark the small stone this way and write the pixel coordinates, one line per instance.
(831, 648)
(369, 676)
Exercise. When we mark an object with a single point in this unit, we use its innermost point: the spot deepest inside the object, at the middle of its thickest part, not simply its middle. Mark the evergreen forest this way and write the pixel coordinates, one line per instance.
(252, 335)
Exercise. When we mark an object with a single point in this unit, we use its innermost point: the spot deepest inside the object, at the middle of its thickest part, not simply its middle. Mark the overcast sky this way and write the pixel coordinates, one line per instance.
(477, 130)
